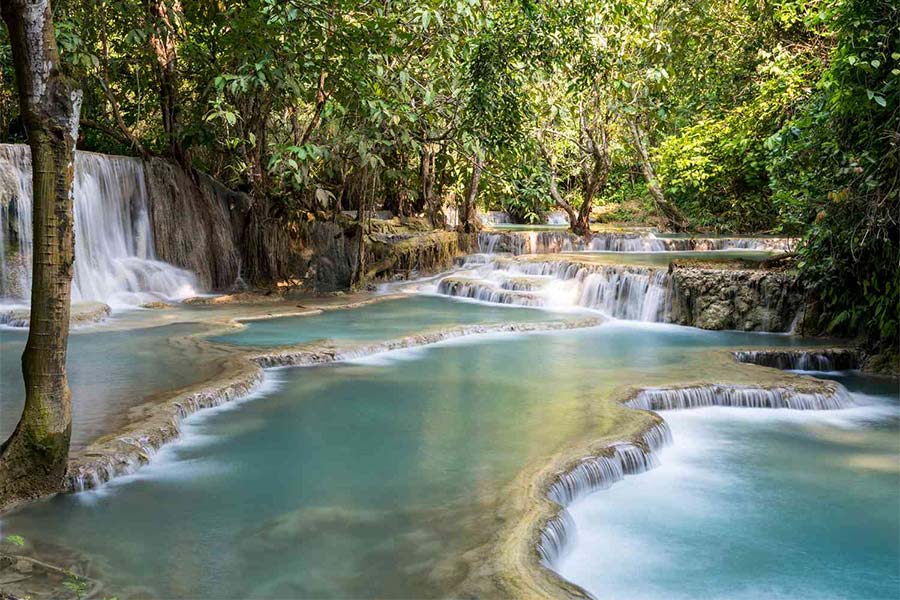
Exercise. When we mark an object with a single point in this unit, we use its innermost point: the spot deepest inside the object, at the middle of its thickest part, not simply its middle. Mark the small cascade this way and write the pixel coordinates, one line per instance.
(486, 292)
(627, 242)
(115, 261)
(551, 242)
(624, 292)
(596, 473)
(802, 360)
(557, 217)
(600, 472)
(741, 396)
(557, 535)
(627, 294)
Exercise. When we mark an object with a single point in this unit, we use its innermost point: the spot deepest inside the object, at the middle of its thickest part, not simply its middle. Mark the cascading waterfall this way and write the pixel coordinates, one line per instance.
(802, 360)
(600, 472)
(836, 397)
(624, 292)
(596, 473)
(115, 261)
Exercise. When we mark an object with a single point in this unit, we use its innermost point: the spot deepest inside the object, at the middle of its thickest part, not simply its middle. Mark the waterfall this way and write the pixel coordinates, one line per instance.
(802, 360)
(834, 398)
(623, 292)
(115, 260)
(596, 473)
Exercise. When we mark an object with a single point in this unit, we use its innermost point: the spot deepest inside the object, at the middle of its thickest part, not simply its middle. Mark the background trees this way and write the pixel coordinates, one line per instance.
(720, 115)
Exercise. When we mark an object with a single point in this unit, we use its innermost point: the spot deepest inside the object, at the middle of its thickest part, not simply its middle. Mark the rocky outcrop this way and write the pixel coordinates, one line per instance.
(194, 223)
(394, 250)
(749, 300)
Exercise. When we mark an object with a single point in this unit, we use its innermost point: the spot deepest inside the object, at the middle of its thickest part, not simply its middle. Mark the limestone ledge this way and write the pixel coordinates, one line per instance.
(532, 543)
(125, 451)
(82, 313)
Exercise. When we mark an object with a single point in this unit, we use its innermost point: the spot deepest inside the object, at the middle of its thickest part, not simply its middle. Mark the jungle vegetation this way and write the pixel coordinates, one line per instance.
(740, 116)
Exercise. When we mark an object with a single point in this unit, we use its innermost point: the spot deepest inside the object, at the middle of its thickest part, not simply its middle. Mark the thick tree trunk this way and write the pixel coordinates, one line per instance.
(363, 215)
(468, 221)
(33, 460)
(669, 212)
(163, 38)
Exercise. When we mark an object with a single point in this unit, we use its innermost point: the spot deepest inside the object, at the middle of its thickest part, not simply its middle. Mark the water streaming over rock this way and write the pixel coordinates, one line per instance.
(596, 473)
(803, 360)
(833, 397)
(546, 242)
(115, 260)
(625, 292)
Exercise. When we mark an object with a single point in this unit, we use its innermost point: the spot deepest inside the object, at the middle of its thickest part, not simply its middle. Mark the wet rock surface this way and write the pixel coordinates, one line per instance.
(82, 313)
(748, 300)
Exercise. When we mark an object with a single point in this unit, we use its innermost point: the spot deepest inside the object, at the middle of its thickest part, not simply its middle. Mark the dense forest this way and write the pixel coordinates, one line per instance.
(718, 115)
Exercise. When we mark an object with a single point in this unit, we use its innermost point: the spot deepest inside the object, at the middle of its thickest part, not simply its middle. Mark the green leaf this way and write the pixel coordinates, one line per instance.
(16, 540)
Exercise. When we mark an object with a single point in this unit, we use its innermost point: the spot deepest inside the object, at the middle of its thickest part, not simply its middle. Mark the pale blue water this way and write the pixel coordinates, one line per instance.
(364, 480)
(109, 372)
(380, 321)
(754, 504)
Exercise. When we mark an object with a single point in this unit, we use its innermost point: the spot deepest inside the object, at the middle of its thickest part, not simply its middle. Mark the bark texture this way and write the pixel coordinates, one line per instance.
(33, 460)
(672, 215)
(468, 220)
(164, 17)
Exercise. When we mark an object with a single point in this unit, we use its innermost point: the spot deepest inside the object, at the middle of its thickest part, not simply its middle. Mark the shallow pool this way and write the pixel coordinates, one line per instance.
(370, 479)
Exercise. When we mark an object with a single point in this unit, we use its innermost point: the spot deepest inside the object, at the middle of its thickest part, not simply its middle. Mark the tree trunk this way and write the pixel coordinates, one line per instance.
(670, 213)
(164, 41)
(468, 220)
(432, 203)
(363, 214)
(33, 460)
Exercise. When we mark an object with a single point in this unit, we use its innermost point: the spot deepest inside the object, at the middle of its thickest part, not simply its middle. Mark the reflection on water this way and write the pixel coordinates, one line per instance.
(109, 372)
(365, 480)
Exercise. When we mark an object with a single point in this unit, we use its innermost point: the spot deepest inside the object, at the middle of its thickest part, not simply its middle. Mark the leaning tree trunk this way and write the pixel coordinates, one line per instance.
(669, 212)
(33, 460)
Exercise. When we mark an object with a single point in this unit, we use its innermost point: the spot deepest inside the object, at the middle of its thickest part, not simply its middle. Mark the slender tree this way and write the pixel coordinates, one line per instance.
(33, 460)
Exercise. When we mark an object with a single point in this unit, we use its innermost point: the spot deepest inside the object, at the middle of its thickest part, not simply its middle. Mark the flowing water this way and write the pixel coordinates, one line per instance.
(115, 261)
(394, 475)
(749, 503)
(366, 479)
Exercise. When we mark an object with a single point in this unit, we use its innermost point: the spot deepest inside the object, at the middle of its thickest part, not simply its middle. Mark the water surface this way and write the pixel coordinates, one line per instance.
(754, 503)
(369, 479)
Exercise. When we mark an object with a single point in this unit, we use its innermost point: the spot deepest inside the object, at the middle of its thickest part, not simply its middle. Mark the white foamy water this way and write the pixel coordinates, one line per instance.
(115, 261)
(750, 503)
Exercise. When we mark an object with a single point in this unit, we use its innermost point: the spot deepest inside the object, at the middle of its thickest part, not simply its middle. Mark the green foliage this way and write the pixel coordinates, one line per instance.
(757, 116)
(15, 540)
(835, 167)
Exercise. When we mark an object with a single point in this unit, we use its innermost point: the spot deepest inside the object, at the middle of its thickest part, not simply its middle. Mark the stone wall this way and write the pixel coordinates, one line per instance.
(194, 223)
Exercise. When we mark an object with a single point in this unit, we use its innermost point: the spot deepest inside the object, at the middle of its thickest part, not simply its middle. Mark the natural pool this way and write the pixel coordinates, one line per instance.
(110, 372)
(387, 477)
(379, 321)
(752, 502)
